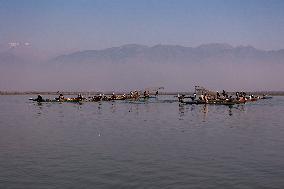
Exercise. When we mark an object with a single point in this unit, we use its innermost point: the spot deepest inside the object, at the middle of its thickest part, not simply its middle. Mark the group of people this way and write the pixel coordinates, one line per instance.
(60, 98)
(132, 95)
(136, 94)
(206, 97)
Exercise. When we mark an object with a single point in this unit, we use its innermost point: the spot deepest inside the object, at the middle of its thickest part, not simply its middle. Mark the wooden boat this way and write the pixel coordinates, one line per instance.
(76, 100)
(252, 99)
(213, 102)
(266, 97)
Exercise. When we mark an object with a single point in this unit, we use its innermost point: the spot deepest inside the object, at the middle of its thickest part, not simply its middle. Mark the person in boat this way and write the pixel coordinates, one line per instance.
(104, 97)
(136, 94)
(61, 97)
(194, 95)
(218, 95)
(180, 97)
(157, 93)
(39, 98)
(113, 96)
(237, 95)
(192, 98)
(95, 98)
(98, 98)
(79, 97)
(201, 97)
(225, 94)
(205, 98)
(146, 94)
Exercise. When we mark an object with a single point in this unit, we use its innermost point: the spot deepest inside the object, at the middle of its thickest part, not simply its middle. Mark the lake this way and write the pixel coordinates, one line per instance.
(152, 144)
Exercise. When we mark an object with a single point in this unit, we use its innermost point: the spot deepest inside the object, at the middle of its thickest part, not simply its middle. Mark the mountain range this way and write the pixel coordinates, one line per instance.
(207, 53)
(158, 54)
(132, 66)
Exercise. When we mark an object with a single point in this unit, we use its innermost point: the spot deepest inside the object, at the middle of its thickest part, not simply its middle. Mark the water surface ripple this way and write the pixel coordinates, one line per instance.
(155, 144)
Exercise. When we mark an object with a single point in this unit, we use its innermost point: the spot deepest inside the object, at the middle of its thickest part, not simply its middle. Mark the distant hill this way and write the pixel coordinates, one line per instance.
(207, 53)
(128, 67)
(158, 54)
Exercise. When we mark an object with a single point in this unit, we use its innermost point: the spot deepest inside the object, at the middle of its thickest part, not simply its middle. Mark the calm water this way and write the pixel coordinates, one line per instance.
(141, 145)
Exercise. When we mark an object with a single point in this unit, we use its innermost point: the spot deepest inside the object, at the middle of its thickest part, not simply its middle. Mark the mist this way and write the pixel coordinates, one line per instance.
(132, 76)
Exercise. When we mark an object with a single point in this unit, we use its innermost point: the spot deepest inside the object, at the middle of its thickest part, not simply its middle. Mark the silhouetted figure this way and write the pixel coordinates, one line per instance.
(39, 98)
(218, 95)
(80, 97)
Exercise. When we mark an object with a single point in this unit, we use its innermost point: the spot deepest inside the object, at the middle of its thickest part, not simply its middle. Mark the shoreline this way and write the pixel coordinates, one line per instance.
(88, 93)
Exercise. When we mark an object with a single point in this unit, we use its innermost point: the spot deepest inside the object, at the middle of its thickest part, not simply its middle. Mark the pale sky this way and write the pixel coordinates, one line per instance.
(60, 25)
(52, 27)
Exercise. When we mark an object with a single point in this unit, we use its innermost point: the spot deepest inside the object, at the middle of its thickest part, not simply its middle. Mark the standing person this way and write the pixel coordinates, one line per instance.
(157, 93)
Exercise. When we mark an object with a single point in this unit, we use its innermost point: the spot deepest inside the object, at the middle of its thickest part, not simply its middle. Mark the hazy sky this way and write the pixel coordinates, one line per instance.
(96, 24)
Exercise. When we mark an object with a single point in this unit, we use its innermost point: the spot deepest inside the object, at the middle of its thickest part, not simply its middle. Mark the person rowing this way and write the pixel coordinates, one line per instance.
(79, 97)
(39, 98)
(146, 94)
(113, 96)
(218, 95)
(157, 93)
(61, 97)
(193, 97)
(181, 97)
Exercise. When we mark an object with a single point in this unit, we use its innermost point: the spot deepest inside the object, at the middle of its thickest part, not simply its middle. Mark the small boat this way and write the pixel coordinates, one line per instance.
(266, 97)
(147, 97)
(56, 100)
(213, 102)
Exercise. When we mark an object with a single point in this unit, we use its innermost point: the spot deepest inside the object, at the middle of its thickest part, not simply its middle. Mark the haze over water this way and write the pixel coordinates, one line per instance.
(153, 144)
(111, 46)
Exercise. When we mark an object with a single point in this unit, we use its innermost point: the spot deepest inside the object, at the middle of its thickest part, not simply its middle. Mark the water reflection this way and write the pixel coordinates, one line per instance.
(230, 110)
(181, 110)
(205, 109)
(241, 107)
(99, 108)
(113, 107)
(134, 108)
(39, 109)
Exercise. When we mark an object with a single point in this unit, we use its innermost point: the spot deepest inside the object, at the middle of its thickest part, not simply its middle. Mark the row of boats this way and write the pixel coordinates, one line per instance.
(200, 96)
(204, 96)
(222, 101)
(135, 96)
